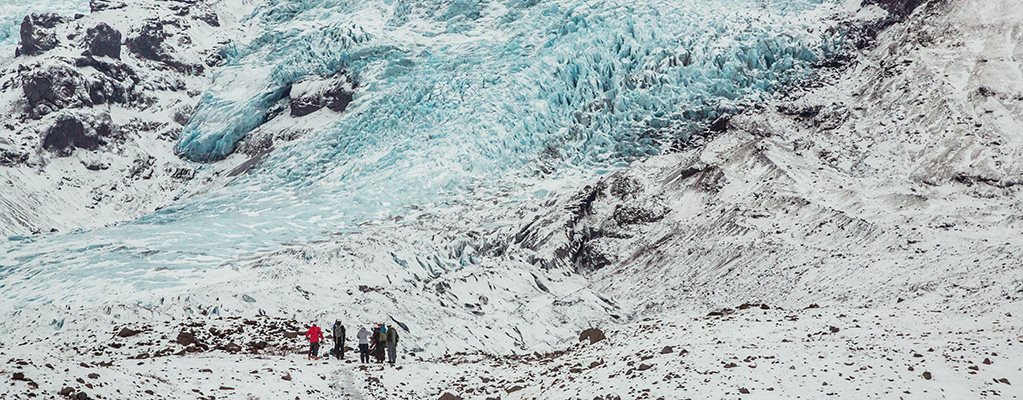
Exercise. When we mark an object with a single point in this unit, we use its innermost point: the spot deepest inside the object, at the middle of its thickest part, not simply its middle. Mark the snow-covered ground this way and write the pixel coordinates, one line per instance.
(874, 209)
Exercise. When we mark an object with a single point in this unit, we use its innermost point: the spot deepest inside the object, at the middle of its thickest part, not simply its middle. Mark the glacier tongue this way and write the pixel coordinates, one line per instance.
(452, 95)
(456, 101)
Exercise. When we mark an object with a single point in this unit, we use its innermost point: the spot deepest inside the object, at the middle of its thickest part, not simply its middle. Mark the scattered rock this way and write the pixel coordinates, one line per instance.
(514, 389)
(93, 376)
(927, 375)
(743, 390)
(286, 377)
(18, 376)
(667, 350)
(644, 367)
(67, 391)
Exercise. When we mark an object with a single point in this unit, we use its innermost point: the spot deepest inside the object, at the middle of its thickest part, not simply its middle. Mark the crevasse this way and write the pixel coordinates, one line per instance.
(452, 95)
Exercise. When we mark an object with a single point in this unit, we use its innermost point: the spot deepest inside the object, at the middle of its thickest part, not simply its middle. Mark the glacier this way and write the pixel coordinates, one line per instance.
(457, 100)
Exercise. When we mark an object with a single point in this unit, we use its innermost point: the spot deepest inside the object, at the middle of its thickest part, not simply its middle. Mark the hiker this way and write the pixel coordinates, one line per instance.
(391, 337)
(379, 342)
(338, 332)
(363, 337)
(315, 335)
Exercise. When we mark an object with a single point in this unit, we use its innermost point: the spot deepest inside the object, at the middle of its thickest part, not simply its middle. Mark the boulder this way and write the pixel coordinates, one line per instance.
(36, 34)
(185, 338)
(594, 335)
(127, 332)
(720, 124)
(449, 396)
(104, 41)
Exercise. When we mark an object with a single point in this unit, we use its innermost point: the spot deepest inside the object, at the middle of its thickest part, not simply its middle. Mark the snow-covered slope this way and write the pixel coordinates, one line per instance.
(93, 104)
(884, 189)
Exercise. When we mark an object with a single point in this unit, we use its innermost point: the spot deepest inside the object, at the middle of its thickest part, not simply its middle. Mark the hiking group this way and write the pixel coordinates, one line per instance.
(380, 342)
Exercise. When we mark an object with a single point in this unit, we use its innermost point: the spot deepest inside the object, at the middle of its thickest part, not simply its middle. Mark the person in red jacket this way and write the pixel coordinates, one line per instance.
(315, 335)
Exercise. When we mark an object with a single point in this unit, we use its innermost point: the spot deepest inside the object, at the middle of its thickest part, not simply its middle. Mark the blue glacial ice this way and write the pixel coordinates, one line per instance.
(452, 94)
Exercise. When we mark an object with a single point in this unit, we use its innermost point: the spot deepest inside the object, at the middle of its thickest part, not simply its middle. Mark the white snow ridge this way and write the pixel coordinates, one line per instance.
(544, 199)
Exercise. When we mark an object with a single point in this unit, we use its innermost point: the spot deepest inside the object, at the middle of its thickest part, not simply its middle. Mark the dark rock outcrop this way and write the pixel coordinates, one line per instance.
(150, 44)
(104, 41)
(57, 87)
(77, 131)
(309, 96)
(898, 8)
(36, 34)
(102, 5)
(53, 88)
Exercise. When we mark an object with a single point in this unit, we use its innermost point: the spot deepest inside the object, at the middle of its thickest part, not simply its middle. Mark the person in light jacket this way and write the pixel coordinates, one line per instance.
(363, 337)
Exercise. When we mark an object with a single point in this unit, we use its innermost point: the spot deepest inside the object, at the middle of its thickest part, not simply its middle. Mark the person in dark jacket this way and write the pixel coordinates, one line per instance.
(339, 340)
(379, 342)
(391, 339)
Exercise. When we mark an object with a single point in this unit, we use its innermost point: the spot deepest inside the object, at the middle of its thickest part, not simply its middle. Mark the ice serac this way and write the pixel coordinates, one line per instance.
(235, 106)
